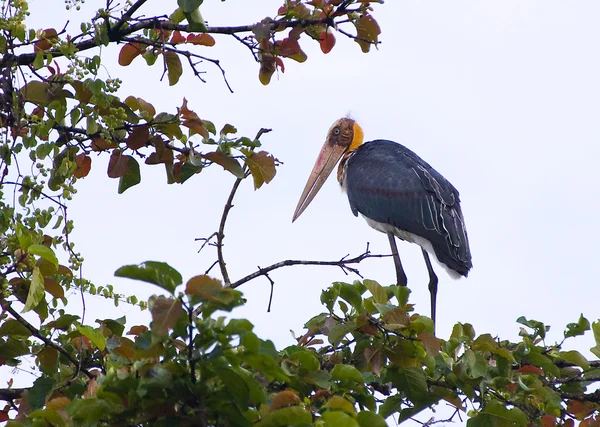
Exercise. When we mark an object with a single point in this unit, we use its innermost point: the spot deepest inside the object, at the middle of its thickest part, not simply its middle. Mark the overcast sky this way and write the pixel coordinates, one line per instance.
(502, 98)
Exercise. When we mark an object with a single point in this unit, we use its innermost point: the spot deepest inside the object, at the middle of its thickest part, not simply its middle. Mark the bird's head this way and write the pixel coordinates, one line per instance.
(344, 136)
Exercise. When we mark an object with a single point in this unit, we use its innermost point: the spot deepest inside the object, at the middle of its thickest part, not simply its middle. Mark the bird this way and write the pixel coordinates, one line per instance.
(398, 194)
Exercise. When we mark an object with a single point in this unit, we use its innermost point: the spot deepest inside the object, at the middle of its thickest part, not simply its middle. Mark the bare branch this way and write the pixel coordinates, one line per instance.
(221, 235)
(127, 15)
(342, 263)
(7, 394)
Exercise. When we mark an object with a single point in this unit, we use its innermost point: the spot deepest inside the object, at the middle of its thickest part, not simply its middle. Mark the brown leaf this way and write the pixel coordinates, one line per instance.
(229, 163)
(262, 168)
(283, 399)
(174, 67)
(430, 342)
(548, 421)
(176, 37)
(396, 318)
(192, 121)
(374, 359)
(138, 138)
(59, 403)
(530, 369)
(118, 164)
(204, 286)
(326, 41)
(46, 38)
(47, 357)
(84, 164)
(53, 288)
(165, 312)
(147, 107)
(91, 389)
(137, 330)
(580, 409)
(201, 39)
(129, 52)
(101, 144)
(268, 65)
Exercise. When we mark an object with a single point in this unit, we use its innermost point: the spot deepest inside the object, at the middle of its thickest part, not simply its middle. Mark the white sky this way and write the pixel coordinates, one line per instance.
(502, 98)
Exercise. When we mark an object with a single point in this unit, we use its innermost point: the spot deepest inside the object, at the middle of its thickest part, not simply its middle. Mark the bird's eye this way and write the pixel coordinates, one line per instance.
(336, 131)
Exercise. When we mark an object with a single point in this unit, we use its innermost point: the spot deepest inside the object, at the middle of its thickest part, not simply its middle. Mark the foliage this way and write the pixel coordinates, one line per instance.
(367, 357)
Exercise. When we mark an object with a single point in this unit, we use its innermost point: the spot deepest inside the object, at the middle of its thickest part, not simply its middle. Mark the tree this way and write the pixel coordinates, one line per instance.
(367, 357)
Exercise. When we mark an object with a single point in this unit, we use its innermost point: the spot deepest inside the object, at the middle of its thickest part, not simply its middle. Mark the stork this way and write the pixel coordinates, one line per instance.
(398, 194)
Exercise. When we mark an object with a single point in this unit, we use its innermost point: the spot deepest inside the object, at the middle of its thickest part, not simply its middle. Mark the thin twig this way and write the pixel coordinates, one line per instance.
(134, 7)
(36, 333)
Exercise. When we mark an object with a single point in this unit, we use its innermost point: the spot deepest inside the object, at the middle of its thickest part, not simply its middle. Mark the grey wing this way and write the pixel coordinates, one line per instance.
(390, 184)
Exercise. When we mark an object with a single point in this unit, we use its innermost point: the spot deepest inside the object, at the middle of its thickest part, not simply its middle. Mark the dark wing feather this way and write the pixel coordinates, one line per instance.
(390, 184)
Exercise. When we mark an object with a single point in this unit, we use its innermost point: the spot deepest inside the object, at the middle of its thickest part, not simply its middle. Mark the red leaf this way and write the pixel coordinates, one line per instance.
(530, 369)
(137, 330)
(138, 138)
(548, 421)
(4, 416)
(327, 41)
(177, 37)
(84, 164)
(129, 52)
(201, 39)
(118, 164)
(101, 144)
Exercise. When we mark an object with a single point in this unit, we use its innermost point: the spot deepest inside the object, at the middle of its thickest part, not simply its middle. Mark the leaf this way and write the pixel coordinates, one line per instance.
(339, 419)
(94, 335)
(283, 399)
(157, 273)
(138, 138)
(579, 328)
(13, 328)
(290, 416)
(101, 144)
(201, 39)
(47, 37)
(174, 67)
(341, 372)
(177, 38)
(228, 163)
(165, 312)
(495, 414)
(530, 369)
(53, 288)
(367, 32)
(129, 52)
(396, 318)
(132, 175)
(379, 294)
(326, 41)
(575, 357)
(262, 168)
(339, 403)
(137, 330)
(227, 129)
(411, 381)
(596, 329)
(36, 92)
(84, 165)
(117, 164)
(370, 419)
(37, 395)
(36, 290)
(44, 252)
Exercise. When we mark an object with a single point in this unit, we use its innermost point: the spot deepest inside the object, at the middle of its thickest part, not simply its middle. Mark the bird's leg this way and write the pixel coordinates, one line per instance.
(400, 275)
(433, 284)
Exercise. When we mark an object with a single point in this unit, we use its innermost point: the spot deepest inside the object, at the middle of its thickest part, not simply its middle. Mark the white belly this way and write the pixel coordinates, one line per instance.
(412, 238)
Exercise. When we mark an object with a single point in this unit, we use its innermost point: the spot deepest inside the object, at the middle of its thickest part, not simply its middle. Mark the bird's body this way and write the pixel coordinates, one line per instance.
(399, 194)
(396, 191)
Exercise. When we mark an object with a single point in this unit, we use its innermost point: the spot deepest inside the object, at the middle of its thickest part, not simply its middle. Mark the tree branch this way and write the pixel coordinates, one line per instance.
(36, 333)
(7, 394)
(220, 233)
(342, 263)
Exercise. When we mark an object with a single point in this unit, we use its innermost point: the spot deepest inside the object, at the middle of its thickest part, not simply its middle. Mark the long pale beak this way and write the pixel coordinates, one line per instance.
(328, 158)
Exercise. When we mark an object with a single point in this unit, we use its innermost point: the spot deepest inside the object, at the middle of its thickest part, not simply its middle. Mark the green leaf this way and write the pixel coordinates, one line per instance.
(411, 381)
(378, 292)
(262, 168)
(227, 129)
(132, 175)
(340, 404)
(13, 328)
(36, 92)
(94, 335)
(391, 405)
(290, 416)
(579, 328)
(596, 329)
(90, 410)
(158, 273)
(44, 252)
(341, 372)
(575, 357)
(339, 419)
(36, 290)
(235, 385)
(544, 362)
(370, 419)
(174, 67)
(188, 6)
(495, 414)
(37, 395)
(319, 378)
(539, 328)
(350, 294)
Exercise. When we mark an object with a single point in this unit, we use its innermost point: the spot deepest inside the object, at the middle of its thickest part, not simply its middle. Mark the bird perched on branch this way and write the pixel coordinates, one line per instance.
(398, 194)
